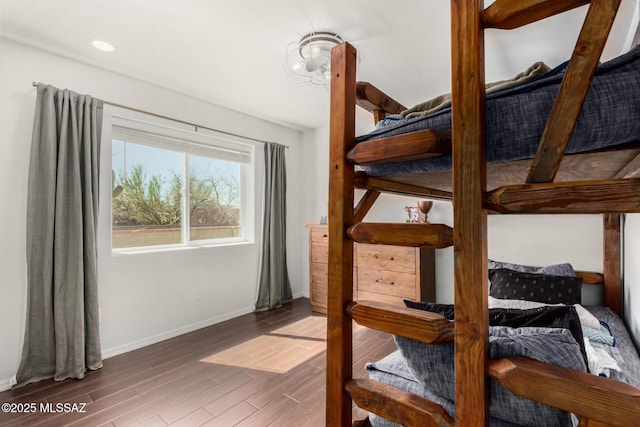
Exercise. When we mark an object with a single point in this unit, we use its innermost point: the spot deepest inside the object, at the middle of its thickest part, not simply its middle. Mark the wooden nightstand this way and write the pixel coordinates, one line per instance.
(382, 273)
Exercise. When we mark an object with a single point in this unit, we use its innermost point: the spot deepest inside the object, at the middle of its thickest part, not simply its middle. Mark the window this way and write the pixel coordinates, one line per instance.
(176, 187)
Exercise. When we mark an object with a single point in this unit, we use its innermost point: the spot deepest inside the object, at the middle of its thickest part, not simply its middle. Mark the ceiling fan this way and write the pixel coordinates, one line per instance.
(309, 59)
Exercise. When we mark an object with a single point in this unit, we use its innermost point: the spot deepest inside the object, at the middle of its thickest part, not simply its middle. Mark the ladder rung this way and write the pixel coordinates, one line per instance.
(578, 392)
(419, 325)
(595, 196)
(415, 235)
(397, 405)
(509, 14)
(399, 148)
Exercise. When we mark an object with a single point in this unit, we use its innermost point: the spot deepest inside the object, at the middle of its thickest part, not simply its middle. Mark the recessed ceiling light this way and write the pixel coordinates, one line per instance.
(103, 46)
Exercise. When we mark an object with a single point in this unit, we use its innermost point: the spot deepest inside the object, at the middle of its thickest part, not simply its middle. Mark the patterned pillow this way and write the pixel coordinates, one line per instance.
(565, 269)
(549, 289)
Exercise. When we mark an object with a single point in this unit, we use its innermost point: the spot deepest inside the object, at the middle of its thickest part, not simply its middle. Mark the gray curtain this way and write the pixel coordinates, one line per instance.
(274, 288)
(61, 334)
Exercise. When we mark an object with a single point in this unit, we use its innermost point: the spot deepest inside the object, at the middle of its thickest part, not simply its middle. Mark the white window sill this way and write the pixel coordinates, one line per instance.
(168, 248)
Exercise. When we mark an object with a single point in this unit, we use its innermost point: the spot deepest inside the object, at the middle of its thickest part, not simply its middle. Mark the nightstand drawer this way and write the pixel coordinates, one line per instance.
(387, 282)
(393, 258)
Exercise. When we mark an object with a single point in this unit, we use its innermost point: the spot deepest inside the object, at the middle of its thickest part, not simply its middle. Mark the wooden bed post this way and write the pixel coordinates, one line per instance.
(469, 215)
(341, 197)
(612, 261)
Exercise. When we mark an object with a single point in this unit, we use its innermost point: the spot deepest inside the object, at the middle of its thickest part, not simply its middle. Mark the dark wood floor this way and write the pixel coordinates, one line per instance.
(168, 384)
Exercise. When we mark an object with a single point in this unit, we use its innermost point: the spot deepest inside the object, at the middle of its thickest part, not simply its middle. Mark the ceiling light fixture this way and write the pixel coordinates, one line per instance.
(103, 46)
(309, 60)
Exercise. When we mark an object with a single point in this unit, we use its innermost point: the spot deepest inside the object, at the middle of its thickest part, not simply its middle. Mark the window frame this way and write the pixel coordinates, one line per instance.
(188, 133)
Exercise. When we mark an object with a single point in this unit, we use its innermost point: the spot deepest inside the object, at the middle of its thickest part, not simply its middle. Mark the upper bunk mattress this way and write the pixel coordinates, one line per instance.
(516, 118)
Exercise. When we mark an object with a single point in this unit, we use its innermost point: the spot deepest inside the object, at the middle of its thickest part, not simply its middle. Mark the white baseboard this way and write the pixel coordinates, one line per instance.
(5, 384)
(173, 333)
(180, 331)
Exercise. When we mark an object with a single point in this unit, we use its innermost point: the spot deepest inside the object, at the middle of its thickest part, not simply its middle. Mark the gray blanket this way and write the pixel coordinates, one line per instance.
(439, 102)
(429, 370)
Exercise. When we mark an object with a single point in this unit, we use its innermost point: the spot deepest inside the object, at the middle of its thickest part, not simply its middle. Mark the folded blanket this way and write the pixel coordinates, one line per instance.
(595, 335)
(438, 103)
(601, 335)
(586, 318)
(600, 362)
(547, 316)
(432, 365)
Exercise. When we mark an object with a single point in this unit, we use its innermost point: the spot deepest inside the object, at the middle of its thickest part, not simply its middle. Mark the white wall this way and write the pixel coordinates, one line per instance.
(549, 239)
(143, 297)
(632, 276)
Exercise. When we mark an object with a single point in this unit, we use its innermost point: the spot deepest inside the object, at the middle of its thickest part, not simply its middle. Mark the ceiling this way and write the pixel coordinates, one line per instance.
(231, 52)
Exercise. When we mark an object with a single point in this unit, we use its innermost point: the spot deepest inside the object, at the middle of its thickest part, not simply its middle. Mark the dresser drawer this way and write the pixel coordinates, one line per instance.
(382, 257)
(319, 284)
(319, 272)
(319, 235)
(381, 273)
(387, 299)
(393, 283)
(319, 252)
(319, 297)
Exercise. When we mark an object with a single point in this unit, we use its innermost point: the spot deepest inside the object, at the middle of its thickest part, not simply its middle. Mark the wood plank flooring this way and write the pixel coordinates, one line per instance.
(192, 380)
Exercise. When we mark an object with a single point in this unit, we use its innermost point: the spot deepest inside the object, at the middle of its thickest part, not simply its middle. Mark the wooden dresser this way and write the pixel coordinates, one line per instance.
(382, 273)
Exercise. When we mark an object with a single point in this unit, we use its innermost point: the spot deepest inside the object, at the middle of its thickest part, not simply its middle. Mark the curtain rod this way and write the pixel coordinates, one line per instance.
(137, 110)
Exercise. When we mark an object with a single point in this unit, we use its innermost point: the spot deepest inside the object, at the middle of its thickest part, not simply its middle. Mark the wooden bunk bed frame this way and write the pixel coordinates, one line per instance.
(599, 401)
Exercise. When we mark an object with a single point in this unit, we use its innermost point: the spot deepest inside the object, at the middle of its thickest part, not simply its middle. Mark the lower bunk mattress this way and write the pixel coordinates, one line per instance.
(506, 409)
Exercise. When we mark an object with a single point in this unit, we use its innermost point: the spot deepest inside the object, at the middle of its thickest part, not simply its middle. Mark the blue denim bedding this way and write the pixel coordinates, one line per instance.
(427, 370)
(393, 370)
(516, 117)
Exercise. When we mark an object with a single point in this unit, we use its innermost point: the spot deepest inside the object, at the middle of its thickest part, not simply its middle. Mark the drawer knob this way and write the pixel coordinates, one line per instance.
(324, 236)
(385, 282)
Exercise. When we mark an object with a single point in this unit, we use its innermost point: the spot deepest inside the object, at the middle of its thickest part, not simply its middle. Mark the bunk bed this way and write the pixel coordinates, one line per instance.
(558, 175)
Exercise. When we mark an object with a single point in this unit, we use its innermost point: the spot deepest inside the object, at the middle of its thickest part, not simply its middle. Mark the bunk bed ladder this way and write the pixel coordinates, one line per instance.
(341, 217)
(345, 227)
